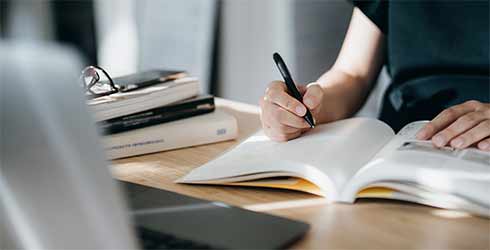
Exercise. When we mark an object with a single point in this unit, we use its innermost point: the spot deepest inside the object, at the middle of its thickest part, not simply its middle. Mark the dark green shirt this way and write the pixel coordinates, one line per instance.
(437, 54)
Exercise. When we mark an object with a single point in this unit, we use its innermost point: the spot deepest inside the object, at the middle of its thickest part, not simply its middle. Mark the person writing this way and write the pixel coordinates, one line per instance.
(437, 54)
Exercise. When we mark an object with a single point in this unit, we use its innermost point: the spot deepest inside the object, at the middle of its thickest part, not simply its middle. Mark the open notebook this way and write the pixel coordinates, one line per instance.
(357, 158)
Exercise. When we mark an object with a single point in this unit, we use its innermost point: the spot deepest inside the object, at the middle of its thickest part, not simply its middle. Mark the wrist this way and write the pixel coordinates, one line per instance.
(341, 96)
(331, 107)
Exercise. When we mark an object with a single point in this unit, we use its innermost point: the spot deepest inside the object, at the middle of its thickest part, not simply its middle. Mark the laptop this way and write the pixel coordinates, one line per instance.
(56, 190)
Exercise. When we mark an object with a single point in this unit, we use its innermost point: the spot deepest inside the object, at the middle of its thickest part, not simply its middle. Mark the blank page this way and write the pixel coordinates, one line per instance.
(328, 155)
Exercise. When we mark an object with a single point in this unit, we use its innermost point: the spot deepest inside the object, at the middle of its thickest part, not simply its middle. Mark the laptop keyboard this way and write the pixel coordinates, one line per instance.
(150, 239)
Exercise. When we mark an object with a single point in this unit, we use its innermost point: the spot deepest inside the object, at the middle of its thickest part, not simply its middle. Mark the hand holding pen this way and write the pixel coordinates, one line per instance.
(284, 113)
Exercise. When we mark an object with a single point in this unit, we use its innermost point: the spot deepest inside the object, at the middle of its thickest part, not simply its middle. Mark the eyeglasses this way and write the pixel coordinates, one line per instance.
(97, 82)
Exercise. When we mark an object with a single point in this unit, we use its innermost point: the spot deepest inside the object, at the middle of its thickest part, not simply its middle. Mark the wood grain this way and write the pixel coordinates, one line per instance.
(370, 223)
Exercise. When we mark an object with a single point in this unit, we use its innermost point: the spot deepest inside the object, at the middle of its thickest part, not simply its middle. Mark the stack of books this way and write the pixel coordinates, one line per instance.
(164, 115)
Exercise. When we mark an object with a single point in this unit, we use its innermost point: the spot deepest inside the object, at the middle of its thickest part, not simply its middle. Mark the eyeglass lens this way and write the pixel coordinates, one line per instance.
(93, 82)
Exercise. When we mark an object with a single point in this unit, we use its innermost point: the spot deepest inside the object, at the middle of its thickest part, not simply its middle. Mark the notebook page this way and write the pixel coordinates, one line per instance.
(326, 156)
(463, 173)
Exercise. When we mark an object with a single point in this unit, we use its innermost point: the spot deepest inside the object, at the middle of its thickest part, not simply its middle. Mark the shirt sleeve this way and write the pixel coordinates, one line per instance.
(376, 11)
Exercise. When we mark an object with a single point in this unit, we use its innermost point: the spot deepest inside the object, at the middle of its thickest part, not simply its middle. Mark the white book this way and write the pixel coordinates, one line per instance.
(203, 129)
(121, 104)
(358, 158)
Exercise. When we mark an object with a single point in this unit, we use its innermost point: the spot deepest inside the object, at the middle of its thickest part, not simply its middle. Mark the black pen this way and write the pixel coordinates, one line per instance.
(291, 86)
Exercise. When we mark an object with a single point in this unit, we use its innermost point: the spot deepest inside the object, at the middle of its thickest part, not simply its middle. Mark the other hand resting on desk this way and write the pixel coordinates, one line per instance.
(460, 126)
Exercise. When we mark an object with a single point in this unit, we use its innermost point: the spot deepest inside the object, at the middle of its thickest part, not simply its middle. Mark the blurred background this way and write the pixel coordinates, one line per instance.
(228, 44)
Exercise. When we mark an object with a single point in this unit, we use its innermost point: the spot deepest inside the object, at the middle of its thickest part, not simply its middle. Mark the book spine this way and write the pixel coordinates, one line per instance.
(172, 135)
(157, 116)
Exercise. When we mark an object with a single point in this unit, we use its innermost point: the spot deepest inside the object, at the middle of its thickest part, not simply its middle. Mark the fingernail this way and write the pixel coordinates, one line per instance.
(308, 102)
(484, 145)
(438, 140)
(421, 134)
(300, 110)
(457, 143)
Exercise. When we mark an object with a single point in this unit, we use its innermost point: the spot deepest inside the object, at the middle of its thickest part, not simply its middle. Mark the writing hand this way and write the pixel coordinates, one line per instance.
(282, 115)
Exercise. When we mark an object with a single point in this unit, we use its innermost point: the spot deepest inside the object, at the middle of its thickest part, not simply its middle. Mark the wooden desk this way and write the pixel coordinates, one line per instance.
(367, 224)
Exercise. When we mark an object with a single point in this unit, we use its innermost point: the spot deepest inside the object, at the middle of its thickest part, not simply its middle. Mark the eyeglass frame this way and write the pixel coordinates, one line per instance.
(114, 88)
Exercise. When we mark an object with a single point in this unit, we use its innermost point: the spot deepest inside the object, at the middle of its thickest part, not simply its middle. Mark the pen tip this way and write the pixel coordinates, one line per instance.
(310, 122)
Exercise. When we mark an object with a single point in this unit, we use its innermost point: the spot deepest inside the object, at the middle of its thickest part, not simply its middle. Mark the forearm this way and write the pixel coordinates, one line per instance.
(344, 95)
(338, 94)
(347, 84)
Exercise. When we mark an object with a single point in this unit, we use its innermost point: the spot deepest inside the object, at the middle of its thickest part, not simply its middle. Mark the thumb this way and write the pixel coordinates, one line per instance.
(313, 96)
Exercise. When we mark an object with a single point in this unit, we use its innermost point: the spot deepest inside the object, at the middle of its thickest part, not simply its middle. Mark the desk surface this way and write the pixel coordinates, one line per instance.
(367, 224)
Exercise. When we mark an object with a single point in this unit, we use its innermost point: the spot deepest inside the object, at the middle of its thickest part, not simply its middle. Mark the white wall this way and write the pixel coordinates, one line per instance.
(250, 32)
(177, 34)
(307, 33)
(116, 36)
(319, 30)
(137, 35)
(30, 21)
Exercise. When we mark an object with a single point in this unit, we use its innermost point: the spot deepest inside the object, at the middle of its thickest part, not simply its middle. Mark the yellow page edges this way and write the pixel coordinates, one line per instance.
(290, 183)
(298, 184)
(376, 192)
